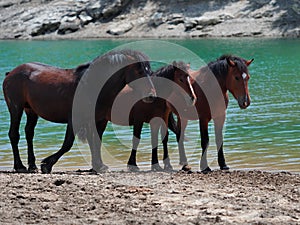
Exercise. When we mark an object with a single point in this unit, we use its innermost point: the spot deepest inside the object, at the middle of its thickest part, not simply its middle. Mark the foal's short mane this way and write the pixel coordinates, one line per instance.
(168, 70)
(220, 67)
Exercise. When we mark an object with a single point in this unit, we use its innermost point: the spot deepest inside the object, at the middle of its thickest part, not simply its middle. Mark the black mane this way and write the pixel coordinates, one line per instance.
(80, 70)
(116, 57)
(168, 70)
(220, 67)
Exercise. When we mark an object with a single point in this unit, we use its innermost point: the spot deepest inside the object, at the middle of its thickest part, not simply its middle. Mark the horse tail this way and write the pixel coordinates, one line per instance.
(82, 134)
(172, 124)
(174, 128)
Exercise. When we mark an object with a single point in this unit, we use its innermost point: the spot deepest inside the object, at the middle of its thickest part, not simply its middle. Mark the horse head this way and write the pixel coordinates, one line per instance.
(237, 80)
(182, 78)
(138, 75)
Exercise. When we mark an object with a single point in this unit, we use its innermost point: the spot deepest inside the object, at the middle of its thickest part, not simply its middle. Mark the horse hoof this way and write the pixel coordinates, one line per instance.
(206, 171)
(102, 169)
(45, 168)
(168, 167)
(156, 167)
(133, 168)
(224, 168)
(33, 169)
(186, 168)
(21, 170)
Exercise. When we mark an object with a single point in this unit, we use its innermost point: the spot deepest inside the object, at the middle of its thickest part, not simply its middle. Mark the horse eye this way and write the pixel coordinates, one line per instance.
(181, 80)
(237, 78)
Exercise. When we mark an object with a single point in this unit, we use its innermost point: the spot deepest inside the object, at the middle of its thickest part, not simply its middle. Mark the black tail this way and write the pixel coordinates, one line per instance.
(173, 125)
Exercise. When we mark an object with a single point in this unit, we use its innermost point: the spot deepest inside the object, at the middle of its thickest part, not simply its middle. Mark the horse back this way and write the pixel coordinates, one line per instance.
(47, 90)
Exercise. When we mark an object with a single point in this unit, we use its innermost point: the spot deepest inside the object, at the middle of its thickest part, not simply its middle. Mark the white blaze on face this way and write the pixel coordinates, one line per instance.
(192, 90)
(244, 75)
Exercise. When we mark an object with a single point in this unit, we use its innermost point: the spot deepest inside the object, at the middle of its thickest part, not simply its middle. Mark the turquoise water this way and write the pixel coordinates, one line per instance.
(265, 136)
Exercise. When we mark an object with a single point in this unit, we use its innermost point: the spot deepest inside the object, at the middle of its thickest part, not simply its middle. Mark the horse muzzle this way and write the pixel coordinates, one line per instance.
(150, 97)
(244, 102)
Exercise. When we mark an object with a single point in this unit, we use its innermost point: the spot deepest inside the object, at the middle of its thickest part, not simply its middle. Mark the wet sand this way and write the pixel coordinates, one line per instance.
(235, 197)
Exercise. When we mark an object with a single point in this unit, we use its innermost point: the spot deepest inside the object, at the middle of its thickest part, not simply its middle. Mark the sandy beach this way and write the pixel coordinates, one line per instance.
(76, 197)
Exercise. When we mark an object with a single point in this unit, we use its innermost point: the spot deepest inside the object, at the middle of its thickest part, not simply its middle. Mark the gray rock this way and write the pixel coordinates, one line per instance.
(85, 18)
(206, 21)
(113, 7)
(156, 19)
(190, 23)
(67, 27)
(44, 28)
(175, 19)
(94, 10)
(120, 29)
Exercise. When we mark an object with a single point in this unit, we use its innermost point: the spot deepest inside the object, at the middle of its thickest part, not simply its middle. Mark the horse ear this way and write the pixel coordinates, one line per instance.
(188, 66)
(174, 63)
(230, 62)
(248, 62)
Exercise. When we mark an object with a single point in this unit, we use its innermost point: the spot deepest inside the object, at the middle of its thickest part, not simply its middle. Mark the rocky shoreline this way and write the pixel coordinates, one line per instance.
(84, 19)
(235, 197)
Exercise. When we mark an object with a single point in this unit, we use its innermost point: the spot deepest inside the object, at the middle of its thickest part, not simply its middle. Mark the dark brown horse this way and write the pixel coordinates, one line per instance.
(48, 92)
(228, 73)
(167, 80)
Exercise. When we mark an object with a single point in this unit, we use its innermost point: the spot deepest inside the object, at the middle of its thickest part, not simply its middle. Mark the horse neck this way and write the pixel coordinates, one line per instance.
(168, 73)
(221, 76)
(207, 80)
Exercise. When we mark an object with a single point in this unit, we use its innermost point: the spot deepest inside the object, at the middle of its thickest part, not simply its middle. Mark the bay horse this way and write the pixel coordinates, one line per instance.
(48, 92)
(167, 80)
(227, 73)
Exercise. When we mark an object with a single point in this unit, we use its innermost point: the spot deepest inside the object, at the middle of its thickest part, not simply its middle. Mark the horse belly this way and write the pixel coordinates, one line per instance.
(51, 104)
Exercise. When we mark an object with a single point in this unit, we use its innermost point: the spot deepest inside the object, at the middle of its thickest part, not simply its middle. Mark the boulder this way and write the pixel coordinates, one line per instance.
(44, 28)
(113, 8)
(207, 21)
(68, 27)
(93, 10)
(85, 18)
(175, 19)
(120, 29)
(156, 19)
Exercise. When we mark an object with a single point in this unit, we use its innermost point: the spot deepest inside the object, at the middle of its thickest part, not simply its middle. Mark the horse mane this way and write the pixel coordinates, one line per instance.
(80, 70)
(116, 57)
(220, 66)
(168, 70)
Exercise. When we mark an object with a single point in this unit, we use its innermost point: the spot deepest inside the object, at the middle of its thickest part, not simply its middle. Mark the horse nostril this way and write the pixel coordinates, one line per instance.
(150, 98)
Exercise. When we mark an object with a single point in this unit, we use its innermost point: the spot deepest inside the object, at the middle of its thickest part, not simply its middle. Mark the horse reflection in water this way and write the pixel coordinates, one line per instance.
(48, 92)
(227, 73)
(129, 110)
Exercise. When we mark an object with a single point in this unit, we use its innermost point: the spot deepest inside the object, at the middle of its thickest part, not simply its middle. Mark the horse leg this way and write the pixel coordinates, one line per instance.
(95, 141)
(204, 144)
(14, 136)
(32, 119)
(47, 163)
(155, 125)
(165, 138)
(219, 123)
(181, 124)
(137, 129)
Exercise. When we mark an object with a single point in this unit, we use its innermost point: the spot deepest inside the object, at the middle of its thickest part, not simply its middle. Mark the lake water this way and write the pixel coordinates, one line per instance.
(264, 136)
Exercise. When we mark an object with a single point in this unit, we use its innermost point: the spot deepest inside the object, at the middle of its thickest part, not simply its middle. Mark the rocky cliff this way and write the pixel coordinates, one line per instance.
(78, 19)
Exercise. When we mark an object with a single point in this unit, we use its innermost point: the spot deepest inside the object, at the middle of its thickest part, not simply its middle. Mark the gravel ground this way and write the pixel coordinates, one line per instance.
(67, 197)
